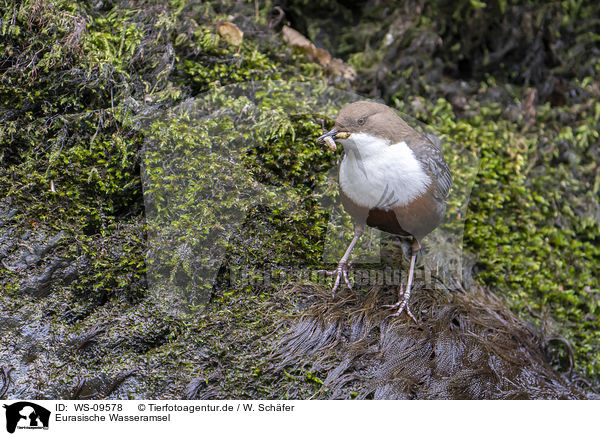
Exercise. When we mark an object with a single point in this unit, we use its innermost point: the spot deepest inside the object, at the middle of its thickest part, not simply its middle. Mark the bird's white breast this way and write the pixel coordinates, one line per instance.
(376, 174)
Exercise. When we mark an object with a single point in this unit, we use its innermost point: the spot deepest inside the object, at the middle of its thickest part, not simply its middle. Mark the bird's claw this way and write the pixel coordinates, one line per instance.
(401, 306)
(340, 272)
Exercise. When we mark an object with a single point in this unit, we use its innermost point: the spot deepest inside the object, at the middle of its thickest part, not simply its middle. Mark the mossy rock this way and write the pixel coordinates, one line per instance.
(81, 83)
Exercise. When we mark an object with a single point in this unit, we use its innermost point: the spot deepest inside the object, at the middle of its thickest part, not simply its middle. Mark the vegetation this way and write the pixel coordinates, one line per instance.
(93, 93)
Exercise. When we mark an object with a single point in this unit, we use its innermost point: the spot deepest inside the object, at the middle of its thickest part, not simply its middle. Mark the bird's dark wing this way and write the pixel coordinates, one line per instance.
(430, 148)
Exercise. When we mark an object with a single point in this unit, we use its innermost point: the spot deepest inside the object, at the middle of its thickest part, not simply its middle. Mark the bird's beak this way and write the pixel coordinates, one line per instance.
(331, 136)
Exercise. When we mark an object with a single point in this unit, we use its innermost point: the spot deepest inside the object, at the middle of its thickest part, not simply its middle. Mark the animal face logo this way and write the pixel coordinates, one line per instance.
(24, 414)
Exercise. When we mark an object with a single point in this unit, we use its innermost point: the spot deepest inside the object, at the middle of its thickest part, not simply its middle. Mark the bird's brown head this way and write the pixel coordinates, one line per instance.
(368, 117)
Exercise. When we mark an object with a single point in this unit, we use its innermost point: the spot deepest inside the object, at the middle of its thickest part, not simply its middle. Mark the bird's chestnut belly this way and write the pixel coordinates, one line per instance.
(417, 219)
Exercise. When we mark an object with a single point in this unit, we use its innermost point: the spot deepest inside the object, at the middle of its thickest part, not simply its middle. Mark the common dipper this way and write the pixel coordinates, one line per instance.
(391, 178)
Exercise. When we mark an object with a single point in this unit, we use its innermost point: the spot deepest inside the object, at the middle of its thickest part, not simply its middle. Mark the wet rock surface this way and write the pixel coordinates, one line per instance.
(77, 319)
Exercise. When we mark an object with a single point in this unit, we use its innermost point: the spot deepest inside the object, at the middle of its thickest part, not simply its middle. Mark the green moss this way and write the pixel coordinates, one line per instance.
(531, 217)
(79, 79)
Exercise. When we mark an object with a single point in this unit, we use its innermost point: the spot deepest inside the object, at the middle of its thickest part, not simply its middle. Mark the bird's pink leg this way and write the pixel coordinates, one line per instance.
(342, 268)
(405, 294)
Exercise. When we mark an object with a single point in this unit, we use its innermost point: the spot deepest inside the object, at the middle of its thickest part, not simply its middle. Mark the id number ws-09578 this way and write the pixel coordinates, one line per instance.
(98, 407)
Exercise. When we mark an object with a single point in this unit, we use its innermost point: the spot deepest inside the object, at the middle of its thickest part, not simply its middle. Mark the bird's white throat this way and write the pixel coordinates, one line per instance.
(376, 174)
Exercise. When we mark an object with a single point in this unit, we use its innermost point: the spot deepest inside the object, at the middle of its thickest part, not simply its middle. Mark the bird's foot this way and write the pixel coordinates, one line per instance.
(340, 272)
(401, 305)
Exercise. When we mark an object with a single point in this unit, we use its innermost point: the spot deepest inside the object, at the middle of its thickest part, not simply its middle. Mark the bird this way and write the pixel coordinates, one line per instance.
(391, 177)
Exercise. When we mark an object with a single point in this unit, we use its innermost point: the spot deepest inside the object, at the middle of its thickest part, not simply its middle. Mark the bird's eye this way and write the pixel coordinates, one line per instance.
(361, 121)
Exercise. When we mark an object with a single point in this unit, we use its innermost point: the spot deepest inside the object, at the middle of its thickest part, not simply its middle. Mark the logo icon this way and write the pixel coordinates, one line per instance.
(26, 415)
